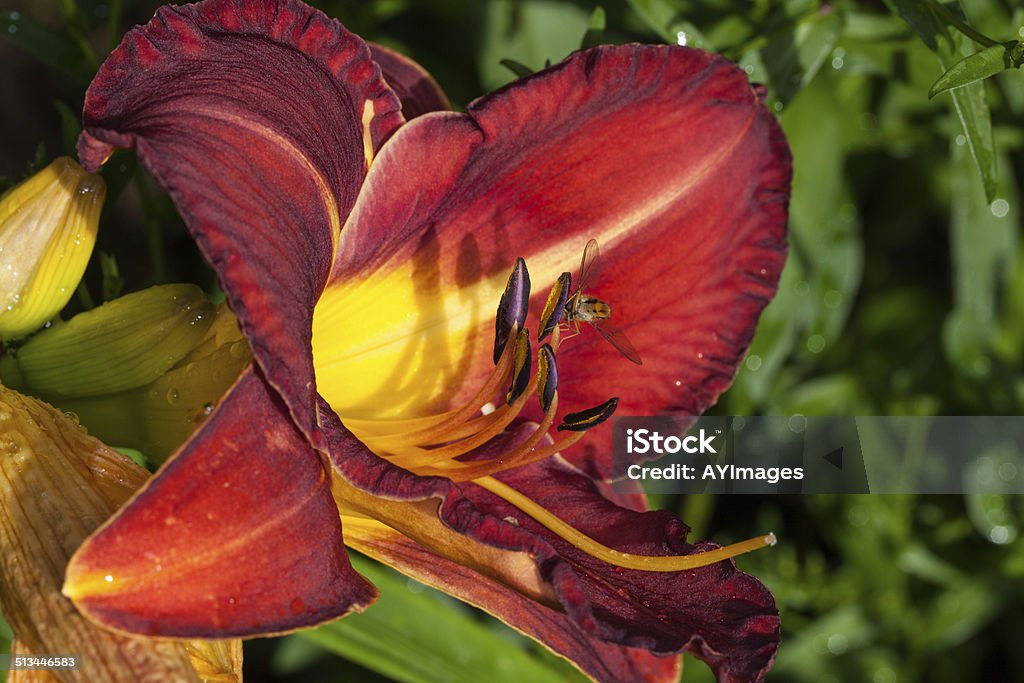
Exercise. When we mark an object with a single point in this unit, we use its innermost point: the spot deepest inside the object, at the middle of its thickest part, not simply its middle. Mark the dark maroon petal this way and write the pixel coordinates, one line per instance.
(259, 118)
(718, 613)
(600, 660)
(237, 535)
(665, 155)
(417, 89)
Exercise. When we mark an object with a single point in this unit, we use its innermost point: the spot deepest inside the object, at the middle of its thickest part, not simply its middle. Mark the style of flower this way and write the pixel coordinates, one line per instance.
(365, 256)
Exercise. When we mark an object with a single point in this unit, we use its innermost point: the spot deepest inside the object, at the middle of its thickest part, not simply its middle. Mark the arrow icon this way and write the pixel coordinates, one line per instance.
(835, 458)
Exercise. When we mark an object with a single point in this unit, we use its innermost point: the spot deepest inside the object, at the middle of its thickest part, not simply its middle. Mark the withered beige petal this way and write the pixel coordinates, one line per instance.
(57, 484)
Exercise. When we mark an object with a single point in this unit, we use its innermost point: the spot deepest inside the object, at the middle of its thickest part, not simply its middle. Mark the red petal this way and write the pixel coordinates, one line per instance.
(237, 535)
(257, 118)
(413, 84)
(599, 660)
(716, 612)
(665, 155)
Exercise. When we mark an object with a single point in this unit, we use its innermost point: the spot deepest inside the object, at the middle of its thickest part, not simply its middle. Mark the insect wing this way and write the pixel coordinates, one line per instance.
(618, 339)
(590, 266)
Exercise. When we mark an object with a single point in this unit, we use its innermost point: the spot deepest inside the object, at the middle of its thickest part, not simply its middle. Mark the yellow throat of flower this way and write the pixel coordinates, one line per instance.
(470, 441)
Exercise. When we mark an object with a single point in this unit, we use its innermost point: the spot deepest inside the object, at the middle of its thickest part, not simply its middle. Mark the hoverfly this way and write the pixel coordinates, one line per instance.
(583, 308)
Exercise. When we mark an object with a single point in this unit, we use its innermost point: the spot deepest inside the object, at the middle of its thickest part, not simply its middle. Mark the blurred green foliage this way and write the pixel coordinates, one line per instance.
(903, 294)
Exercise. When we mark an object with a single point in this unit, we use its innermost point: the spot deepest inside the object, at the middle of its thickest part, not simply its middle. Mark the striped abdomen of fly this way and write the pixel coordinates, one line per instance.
(587, 309)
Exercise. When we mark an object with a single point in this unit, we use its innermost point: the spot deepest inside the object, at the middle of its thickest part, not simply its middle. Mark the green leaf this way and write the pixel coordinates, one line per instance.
(665, 17)
(531, 32)
(69, 127)
(520, 70)
(416, 635)
(983, 246)
(113, 283)
(795, 51)
(49, 47)
(595, 31)
(969, 101)
(980, 65)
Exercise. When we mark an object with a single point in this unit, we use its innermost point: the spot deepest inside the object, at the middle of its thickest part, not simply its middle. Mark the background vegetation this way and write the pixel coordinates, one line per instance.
(903, 294)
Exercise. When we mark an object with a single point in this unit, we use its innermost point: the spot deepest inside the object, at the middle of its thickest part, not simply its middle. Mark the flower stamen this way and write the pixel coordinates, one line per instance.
(437, 445)
(450, 445)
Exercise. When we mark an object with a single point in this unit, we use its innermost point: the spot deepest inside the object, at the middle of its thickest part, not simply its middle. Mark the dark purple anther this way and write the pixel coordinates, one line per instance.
(521, 367)
(591, 417)
(547, 371)
(554, 309)
(512, 307)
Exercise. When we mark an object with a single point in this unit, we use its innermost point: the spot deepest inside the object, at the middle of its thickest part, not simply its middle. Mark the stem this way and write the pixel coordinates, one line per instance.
(114, 24)
(84, 297)
(154, 240)
(961, 25)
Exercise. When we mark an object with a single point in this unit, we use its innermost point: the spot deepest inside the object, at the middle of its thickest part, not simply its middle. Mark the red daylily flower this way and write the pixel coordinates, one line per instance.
(365, 256)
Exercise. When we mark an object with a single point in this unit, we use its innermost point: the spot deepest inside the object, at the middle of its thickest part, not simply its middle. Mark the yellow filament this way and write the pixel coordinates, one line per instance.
(523, 454)
(650, 563)
(399, 433)
(444, 455)
(515, 460)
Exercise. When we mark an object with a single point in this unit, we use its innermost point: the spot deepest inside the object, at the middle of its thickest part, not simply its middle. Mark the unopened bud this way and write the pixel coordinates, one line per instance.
(47, 230)
(123, 344)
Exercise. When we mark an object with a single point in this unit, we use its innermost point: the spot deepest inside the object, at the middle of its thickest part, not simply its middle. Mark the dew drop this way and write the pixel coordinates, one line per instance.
(237, 350)
(1007, 471)
(884, 675)
(815, 343)
(1001, 534)
(797, 424)
(999, 208)
(753, 362)
(837, 643)
(173, 396)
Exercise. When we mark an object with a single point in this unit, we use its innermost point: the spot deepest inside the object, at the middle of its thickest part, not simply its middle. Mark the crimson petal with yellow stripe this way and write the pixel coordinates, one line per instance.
(662, 154)
(238, 534)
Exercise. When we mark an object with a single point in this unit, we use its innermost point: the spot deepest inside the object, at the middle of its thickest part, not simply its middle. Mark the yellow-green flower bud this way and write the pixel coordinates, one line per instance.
(158, 417)
(47, 230)
(123, 344)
